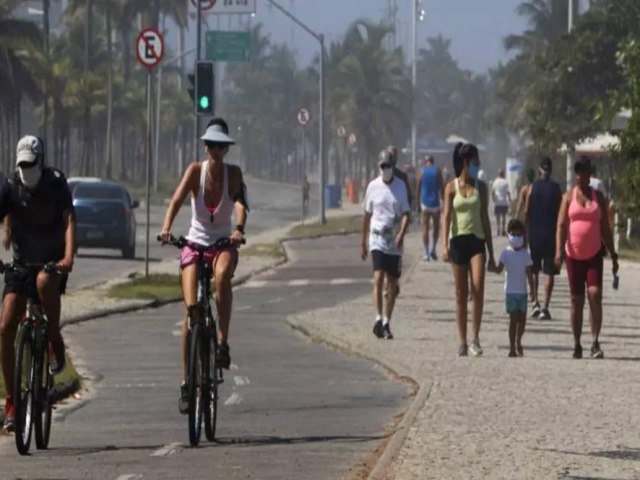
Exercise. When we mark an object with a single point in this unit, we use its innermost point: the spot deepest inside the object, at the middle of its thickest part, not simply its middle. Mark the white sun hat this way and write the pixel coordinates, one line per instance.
(215, 133)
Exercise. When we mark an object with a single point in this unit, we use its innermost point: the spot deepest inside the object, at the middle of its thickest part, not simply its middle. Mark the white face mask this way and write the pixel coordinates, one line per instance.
(387, 174)
(516, 241)
(30, 176)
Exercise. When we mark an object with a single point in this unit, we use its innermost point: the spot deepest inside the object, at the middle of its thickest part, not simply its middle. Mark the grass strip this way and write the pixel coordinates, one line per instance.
(333, 226)
(154, 287)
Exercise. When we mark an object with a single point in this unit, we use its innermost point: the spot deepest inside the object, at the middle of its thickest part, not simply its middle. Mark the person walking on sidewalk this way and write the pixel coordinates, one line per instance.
(515, 259)
(522, 195)
(466, 239)
(385, 224)
(501, 201)
(306, 187)
(429, 187)
(542, 200)
(584, 226)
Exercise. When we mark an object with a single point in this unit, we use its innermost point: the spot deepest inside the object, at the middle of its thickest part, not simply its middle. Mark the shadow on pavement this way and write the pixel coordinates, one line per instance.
(95, 256)
(275, 440)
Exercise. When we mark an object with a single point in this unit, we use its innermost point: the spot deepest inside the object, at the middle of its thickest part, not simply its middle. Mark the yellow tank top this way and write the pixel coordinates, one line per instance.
(466, 213)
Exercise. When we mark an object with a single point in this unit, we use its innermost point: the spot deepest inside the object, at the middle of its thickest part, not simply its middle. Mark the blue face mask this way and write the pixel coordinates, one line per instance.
(473, 171)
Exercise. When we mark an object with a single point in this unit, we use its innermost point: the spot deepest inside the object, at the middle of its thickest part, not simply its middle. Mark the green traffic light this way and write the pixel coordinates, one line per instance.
(204, 102)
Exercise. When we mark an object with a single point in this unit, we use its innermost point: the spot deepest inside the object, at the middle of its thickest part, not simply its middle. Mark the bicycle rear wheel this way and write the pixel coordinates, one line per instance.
(195, 382)
(23, 390)
(211, 408)
(44, 401)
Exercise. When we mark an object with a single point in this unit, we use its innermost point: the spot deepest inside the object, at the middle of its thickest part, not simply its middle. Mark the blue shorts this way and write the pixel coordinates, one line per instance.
(516, 302)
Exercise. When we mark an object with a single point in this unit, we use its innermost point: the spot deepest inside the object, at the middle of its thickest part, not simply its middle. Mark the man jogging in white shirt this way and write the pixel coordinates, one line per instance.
(385, 224)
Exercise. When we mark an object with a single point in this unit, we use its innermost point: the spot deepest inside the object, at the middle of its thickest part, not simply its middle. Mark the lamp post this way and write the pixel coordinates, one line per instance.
(417, 14)
(570, 148)
(321, 149)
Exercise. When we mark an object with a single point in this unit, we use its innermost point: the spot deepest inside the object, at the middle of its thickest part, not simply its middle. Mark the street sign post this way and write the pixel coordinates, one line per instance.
(225, 46)
(222, 7)
(303, 116)
(149, 50)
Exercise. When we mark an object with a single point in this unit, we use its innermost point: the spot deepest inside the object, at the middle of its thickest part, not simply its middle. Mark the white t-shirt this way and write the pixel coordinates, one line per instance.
(515, 264)
(387, 204)
(500, 192)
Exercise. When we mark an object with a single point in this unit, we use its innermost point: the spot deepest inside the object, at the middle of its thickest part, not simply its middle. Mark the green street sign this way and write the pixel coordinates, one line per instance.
(224, 46)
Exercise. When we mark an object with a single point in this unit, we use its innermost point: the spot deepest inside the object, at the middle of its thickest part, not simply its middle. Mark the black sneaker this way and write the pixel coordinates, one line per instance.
(387, 332)
(57, 360)
(544, 314)
(433, 256)
(577, 351)
(223, 359)
(183, 401)
(596, 351)
(536, 311)
(378, 329)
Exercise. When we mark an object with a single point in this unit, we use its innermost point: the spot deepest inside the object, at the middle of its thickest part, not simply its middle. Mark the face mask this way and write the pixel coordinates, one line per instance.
(473, 171)
(30, 176)
(387, 174)
(516, 241)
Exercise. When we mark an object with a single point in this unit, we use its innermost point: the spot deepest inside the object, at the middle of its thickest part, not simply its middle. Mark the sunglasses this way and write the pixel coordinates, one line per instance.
(385, 166)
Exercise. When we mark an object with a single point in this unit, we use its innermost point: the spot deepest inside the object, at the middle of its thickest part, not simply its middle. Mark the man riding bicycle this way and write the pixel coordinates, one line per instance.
(38, 200)
(217, 191)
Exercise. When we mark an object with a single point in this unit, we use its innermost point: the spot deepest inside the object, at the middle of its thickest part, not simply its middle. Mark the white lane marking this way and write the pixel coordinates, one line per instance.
(179, 324)
(343, 281)
(241, 381)
(136, 385)
(130, 476)
(300, 283)
(243, 308)
(255, 284)
(177, 333)
(274, 300)
(167, 450)
(234, 367)
(234, 399)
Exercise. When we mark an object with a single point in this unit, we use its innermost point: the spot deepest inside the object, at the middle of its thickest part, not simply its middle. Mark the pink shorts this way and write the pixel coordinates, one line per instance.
(189, 256)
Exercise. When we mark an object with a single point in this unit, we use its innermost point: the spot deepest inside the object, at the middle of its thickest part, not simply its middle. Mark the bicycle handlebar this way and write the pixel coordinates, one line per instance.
(50, 267)
(180, 242)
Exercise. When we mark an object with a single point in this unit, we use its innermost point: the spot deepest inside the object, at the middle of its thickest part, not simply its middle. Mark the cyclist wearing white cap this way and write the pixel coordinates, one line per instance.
(38, 200)
(217, 191)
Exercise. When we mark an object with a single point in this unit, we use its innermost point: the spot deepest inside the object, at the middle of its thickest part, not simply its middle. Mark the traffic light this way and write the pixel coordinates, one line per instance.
(205, 88)
(192, 87)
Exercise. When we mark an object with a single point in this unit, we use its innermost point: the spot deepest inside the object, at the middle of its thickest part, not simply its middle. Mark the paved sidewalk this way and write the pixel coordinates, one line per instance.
(545, 416)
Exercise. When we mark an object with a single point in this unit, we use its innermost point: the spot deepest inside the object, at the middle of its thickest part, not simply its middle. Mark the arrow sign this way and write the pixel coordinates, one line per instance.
(149, 47)
(303, 116)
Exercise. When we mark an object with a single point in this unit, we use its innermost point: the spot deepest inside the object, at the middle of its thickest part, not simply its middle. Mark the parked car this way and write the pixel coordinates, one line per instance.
(73, 181)
(104, 216)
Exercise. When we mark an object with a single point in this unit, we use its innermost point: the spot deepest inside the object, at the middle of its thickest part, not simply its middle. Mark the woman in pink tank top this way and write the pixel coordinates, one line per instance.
(583, 231)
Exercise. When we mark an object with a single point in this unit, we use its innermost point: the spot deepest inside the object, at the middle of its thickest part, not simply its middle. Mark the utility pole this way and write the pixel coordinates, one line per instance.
(570, 148)
(198, 56)
(414, 80)
(45, 109)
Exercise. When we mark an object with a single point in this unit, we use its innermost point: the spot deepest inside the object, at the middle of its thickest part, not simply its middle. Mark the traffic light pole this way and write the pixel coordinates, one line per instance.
(198, 57)
(148, 197)
(321, 148)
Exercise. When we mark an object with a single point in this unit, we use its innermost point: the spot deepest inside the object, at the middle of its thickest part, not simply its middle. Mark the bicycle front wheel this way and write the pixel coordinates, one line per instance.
(211, 408)
(23, 390)
(43, 393)
(195, 383)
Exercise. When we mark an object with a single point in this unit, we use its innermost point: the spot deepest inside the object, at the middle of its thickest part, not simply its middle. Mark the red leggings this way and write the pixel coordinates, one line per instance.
(584, 272)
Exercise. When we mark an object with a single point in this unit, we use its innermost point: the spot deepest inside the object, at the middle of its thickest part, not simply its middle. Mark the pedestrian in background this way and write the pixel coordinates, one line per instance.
(385, 224)
(522, 195)
(430, 189)
(542, 203)
(466, 239)
(583, 229)
(501, 201)
(306, 187)
(516, 261)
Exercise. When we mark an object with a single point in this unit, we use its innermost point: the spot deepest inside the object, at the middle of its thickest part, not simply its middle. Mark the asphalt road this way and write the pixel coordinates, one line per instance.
(292, 409)
(272, 205)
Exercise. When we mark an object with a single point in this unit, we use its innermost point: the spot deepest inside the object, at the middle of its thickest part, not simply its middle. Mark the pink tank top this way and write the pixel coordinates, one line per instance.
(584, 239)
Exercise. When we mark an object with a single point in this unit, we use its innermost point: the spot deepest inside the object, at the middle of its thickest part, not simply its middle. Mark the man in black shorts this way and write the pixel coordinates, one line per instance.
(385, 224)
(542, 203)
(42, 225)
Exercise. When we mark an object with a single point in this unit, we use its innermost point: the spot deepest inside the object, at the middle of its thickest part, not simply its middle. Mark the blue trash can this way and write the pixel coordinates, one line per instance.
(332, 196)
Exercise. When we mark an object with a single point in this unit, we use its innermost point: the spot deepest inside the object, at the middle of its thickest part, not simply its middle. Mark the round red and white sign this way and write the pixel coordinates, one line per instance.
(303, 116)
(150, 47)
(342, 131)
(352, 139)
(204, 4)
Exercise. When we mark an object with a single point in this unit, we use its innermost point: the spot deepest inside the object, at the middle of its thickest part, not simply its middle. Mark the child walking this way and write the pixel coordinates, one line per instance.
(515, 259)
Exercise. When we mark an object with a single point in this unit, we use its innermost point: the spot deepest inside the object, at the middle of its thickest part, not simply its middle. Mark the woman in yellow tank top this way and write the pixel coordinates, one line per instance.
(466, 235)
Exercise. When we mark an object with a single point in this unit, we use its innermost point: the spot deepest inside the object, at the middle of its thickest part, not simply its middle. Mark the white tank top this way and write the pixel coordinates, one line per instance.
(207, 226)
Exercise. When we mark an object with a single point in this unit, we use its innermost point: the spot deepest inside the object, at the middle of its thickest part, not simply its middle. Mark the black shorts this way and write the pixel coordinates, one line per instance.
(18, 282)
(501, 210)
(464, 247)
(389, 264)
(544, 259)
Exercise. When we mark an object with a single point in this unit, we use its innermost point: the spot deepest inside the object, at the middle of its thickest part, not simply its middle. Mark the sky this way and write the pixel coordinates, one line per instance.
(476, 27)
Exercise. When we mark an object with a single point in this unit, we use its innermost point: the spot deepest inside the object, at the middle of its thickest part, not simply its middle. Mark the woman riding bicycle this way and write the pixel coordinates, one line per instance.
(217, 190)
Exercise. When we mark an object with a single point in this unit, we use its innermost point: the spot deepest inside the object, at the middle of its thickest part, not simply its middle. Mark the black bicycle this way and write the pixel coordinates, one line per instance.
(204, 375)
(33, 385)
